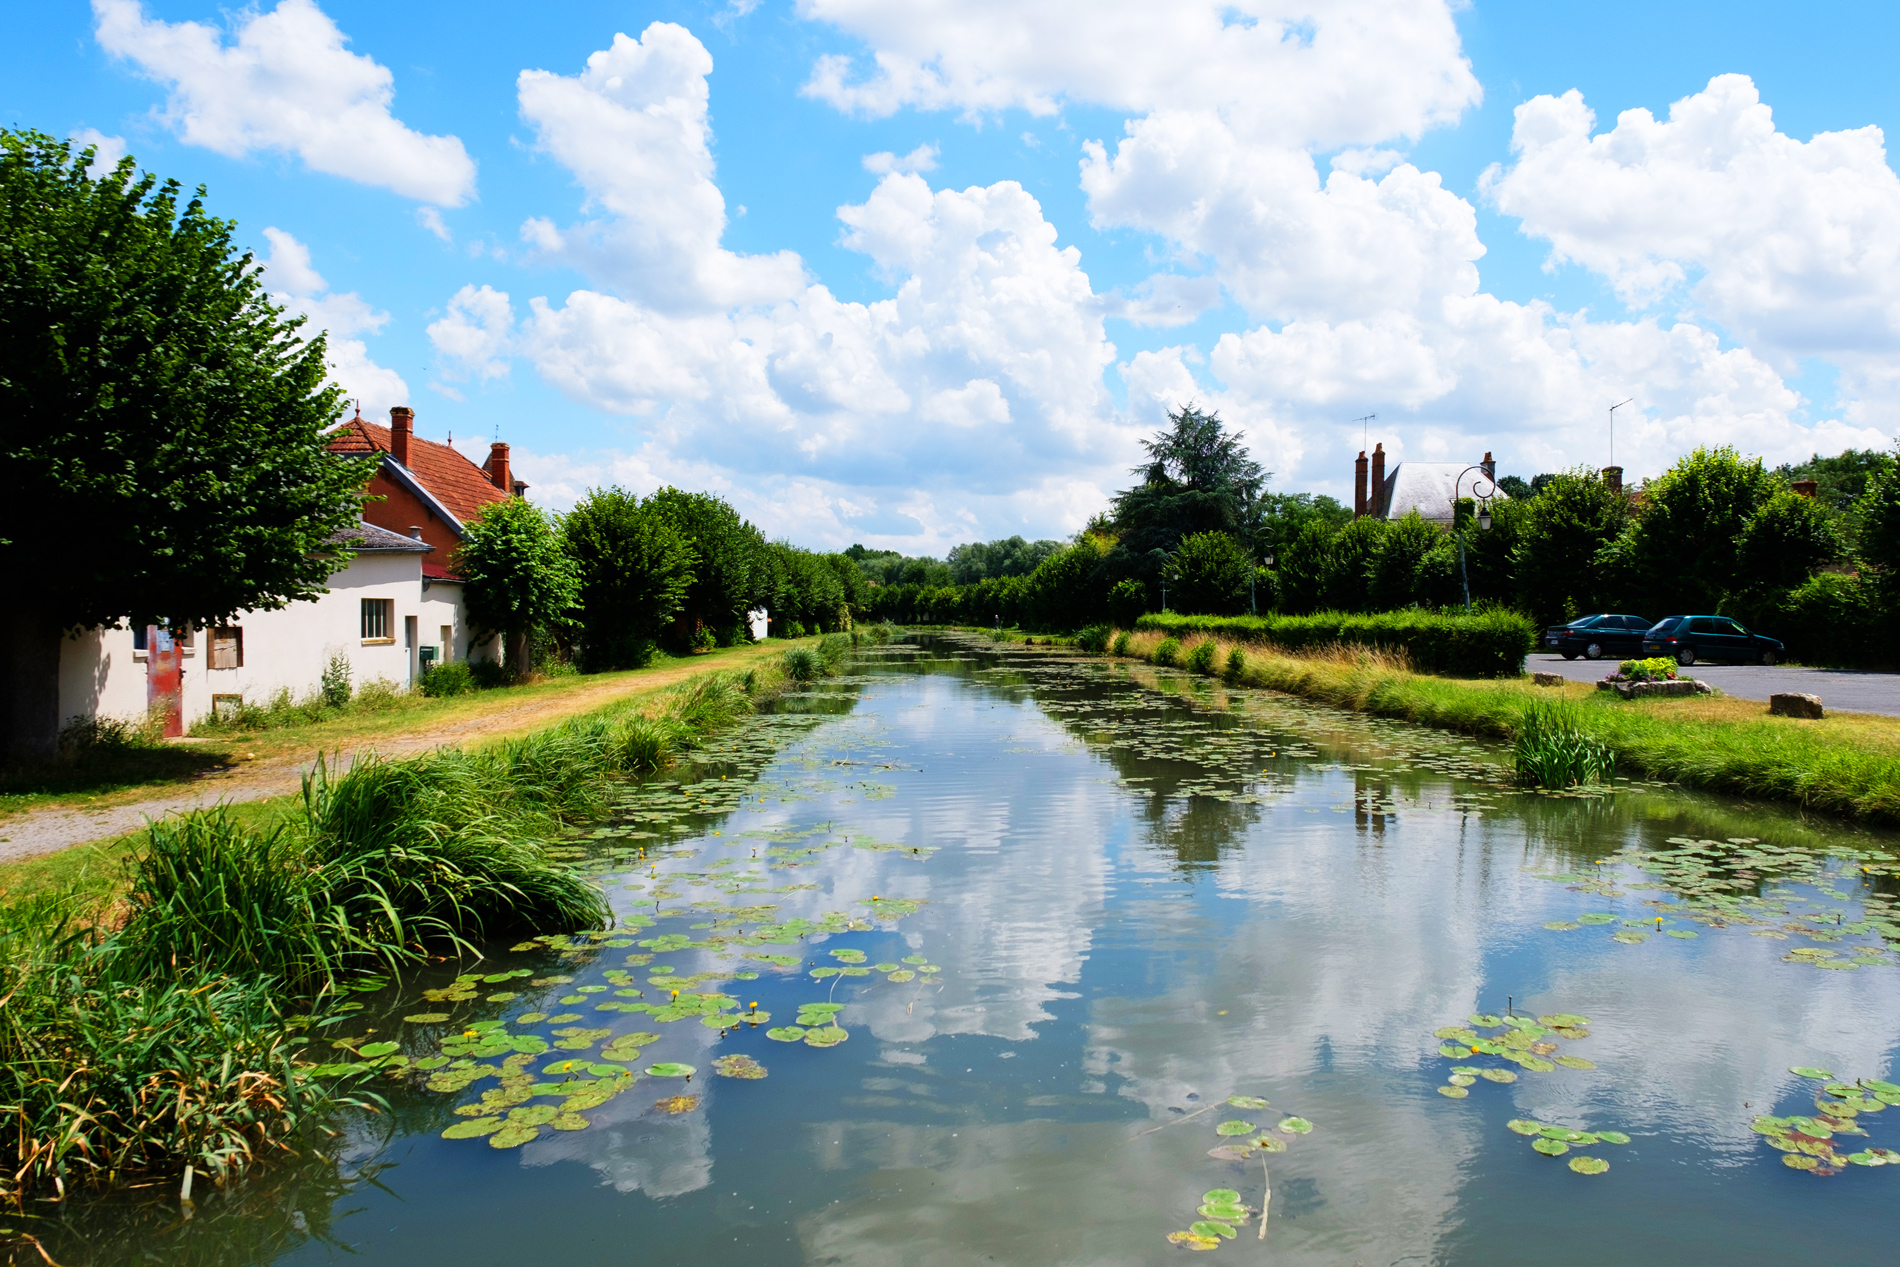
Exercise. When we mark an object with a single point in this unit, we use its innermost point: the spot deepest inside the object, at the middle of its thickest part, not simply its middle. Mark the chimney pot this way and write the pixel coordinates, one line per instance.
(1376, 501)
(1613, 476)
(1359, 485)
(1807, 488)
(402, 425)
(497, 467)
(1489, 467)
(415, 530)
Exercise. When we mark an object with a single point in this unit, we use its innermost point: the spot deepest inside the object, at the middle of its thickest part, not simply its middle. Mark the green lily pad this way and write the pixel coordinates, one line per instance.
(1888, 1087)
(1230, 1152)
(827, 1036)
(1550, 1147)
(916, 958)
(1235, 1127)
(1223, 1213)
(1454, 1092)
(1484, 1020)
(1597, 918)
(1566, 1135)
(1574, 1062)
(670, 1069)
(1589, 1165)
(1193, 1240)
(513, 1135)
(533, 1115)
(1685, 934)
(1456, 1034)
(1613, 1137)
(1630, 937)
(1809, 1071)
(1296, 1126)
(1524, 1125)
(472, 1129)
(902, 975)
(1536, 1064)
(1563, 1020)
(786, 1034)
(1246, 1102)
(1268, 1144)
(1210, 1227)
(1454, 1053)
(427, 1018)
(1220, 1196)
(1799, 1161)
(1497, 1075)
(1562, 926)
(1461, 1080)
(569, 1122)
(371, 1051)
(738, 1067)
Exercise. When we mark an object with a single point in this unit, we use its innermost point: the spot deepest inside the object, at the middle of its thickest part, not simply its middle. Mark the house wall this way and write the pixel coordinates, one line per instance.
(101, 675)
(400, 510)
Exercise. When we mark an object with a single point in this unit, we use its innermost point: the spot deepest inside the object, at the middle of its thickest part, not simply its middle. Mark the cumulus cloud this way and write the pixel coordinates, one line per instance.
(107, 150)
(296, 285)
(921, 159)
(473, 338)
(431, 219)
(1793, 246)
(633, 129)
(1294, 72)
(287, 84)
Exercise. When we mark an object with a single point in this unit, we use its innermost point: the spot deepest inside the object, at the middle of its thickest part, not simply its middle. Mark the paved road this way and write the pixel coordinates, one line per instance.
(1840, 690)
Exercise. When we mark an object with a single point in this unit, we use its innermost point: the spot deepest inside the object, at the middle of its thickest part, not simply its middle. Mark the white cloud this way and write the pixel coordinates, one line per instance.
(431, 219)
(474, 336)
(297, 286)
(1293, 72)
(107, 150)
(288, 84)
(921, 159)
(1793, 246)
(632, 128)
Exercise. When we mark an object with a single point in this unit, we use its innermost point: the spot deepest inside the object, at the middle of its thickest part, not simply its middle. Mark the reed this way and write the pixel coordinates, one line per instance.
(1551, 750)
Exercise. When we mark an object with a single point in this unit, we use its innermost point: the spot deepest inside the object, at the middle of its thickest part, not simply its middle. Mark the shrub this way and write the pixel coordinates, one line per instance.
(336, 682)
(1200, 657)
(1480, 644)
(705, 640)
(803, 665)
(832, 649)
(1236, 664)
(85, 737)
(1168, 652)
(1121, 643)
(378, 695)
(1654, 669)
(1550, 749)
(880, 633)
(793, 629)
(445, 680)
(1093, 639)
(1126, 601)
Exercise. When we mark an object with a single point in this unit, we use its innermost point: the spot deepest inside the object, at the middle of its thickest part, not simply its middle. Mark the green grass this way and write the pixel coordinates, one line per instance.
(1550, 749)
(144, 1031)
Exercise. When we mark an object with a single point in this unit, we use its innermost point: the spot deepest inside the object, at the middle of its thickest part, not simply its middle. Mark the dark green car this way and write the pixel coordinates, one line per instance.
(1686, 639)
(1594, 637)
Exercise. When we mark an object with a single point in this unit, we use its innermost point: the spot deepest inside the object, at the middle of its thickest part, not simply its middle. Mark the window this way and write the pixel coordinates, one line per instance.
(227, 647)
(138, 637)
(448, 643)
(1730, 627)
(378, 617)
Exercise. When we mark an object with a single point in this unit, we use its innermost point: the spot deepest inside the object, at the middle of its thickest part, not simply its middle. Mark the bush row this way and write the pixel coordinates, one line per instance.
(1490, 643)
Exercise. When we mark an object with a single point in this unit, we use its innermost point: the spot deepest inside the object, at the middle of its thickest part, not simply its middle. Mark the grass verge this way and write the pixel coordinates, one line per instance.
(147, 1032)
(1847, 765)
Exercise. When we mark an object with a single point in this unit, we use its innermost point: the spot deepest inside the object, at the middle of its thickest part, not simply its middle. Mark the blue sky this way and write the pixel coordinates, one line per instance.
(973, 346)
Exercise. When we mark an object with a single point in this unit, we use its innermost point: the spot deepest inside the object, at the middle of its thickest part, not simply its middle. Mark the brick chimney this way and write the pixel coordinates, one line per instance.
(402, 425)
(497, 468)
(1376, 503)
(1613, 476)
(1359, 485)
(1489, 467)
(1807, 488)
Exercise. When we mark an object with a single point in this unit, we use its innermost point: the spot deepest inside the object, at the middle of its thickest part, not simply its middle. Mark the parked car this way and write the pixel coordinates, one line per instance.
(1594, 637)
(1691, 638)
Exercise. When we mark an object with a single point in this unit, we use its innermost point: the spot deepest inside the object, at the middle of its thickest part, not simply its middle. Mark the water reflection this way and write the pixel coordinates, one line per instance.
(1148, 894)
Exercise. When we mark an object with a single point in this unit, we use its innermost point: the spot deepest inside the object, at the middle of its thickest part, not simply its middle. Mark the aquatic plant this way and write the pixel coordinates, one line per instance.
(1167, 653)
(802, 664)
(1200, 657)
(1121, 643)
(1093, 639)
(1236, 667)
(1550, 749)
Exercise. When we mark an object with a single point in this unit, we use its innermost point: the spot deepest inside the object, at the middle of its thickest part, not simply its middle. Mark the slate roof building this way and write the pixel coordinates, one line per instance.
(1425, 487)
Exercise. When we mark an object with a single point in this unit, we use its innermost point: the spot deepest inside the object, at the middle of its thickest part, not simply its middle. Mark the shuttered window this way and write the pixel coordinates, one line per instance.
(227, 647)
(378, 617)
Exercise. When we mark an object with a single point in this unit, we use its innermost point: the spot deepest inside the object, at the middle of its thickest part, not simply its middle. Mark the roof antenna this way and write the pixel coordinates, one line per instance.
(1613, 408)
(1365, 432)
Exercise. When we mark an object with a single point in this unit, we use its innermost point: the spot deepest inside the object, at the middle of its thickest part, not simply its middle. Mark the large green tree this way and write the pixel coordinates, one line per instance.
(729, 574)
(636, 569)
(517, 578)
(1562, 536)
(1198, 478)
(162, 421)
(1209, 575)
(1682, 553)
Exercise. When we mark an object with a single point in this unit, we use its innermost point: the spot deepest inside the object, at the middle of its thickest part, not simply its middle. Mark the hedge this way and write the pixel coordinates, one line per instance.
(1482, 644)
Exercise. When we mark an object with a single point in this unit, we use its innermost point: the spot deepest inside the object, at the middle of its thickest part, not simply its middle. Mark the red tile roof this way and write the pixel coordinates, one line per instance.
(455, 481)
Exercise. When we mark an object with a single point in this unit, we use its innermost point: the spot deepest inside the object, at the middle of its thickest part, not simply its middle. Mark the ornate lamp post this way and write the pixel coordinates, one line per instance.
(1484, 516)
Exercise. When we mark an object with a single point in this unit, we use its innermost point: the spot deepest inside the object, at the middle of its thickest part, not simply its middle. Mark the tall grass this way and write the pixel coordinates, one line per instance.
(162, 1042)
(1550, 749)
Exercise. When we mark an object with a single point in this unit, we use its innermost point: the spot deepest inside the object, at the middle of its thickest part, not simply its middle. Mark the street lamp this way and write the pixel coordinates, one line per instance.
(1484, 516)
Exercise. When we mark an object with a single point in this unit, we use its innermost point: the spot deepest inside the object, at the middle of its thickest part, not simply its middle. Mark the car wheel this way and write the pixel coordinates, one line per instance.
(1570, 655)
(1593, 652)
(1686, 656)
(1769, 657)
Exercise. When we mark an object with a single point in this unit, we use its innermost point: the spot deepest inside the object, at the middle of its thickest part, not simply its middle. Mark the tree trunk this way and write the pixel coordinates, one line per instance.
(516, 656)
(29, 686)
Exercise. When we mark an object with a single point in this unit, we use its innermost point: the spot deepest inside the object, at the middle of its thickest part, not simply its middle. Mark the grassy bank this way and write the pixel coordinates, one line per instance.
(1848, 765)
(145, 1029)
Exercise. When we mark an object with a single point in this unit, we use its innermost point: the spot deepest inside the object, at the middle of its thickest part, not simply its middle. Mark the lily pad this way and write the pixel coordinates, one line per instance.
(1524, 1125)
(1268, 1144)
(1597, 918)
(1589, 1165)
(670, 1069)
(1550, 1147)
(1799, 1161)
(1809, 1071)
(902, 975)
(1574, 1062)
(1223, 1212)
(1193, 1240)
(786, 1034)
(569, 1122)
(512, 1136)
(1235, 1127)
(677, 1104)
(371, 1051)
(1220, 1196)
(1213, 1227)
(828, 1036)
(1230, 1152)
(1461, 1080)
(427, 1018)
(1296, 1126)
(1612, 1137)
(1562, 926)
(1484, 1020)
(1497, 1075)
(1455, 1093)
(738, 1067)
(916, 958)
(533, 1115)
(1563, 1020)
(1246, 1102)
(1454, 1053)
(472, 1129)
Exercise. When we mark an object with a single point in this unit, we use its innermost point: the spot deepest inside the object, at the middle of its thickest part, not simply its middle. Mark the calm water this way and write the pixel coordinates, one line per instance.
(1144, 896)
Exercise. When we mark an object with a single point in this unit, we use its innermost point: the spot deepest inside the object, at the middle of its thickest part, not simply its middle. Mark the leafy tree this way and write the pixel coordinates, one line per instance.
(1012, 556)
(1565, 531)
(162, 423)
(1211, 572)
(1198, 478)
(1283, 516)
(728, 572)
(1491, 554)
(517, 577)
(804, 590)
(636, 572)
(1840, 480)
(1069, 589)
(1680, 555)
(1516, 487)
(1346, 582)
(1301, 569)
(1784, 541)
(1414, 564)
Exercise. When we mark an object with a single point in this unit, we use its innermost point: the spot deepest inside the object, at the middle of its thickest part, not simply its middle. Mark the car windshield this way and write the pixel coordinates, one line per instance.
(1583, 622)
(1666, 624)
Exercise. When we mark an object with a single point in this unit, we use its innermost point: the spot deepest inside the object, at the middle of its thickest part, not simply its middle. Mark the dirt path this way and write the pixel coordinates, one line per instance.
(45, 831)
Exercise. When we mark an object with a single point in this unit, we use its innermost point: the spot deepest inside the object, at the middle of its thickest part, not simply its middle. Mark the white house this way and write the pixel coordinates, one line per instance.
(1430, 488)
(382, 614)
